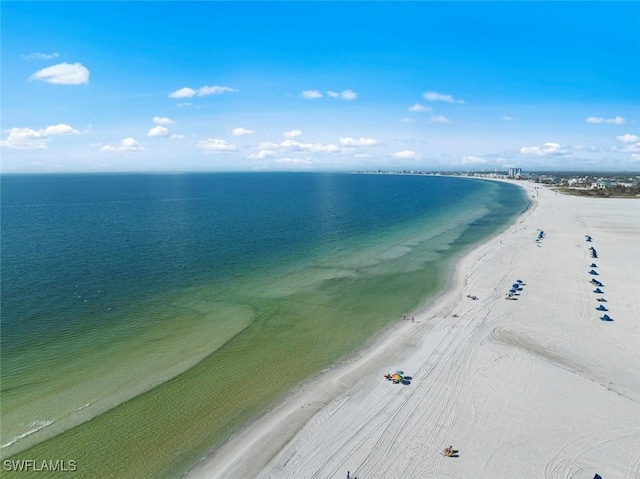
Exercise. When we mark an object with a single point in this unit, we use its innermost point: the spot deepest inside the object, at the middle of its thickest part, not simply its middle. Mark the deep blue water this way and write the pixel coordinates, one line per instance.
(76, 245)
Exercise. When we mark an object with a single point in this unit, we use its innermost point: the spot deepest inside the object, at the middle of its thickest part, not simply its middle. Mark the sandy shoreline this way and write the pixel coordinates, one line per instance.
(535, 387)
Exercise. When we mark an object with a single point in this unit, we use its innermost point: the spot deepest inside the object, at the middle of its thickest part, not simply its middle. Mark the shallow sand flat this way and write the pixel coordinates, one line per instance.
(535, 387)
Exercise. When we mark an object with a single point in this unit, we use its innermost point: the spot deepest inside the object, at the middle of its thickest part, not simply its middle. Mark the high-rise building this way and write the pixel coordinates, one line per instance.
(513, 172)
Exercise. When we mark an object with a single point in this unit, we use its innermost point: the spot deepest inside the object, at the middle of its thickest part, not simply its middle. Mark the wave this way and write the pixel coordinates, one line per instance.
(35, 427)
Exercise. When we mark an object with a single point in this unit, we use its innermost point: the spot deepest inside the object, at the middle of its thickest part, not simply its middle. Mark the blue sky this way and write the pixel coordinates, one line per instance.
(316, 86)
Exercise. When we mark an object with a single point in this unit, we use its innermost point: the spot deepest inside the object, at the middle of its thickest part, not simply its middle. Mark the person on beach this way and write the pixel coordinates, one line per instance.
(448, 451)
(348, 475)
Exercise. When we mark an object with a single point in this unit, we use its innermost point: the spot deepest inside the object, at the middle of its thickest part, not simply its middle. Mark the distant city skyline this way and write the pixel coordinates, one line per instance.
(319, 86)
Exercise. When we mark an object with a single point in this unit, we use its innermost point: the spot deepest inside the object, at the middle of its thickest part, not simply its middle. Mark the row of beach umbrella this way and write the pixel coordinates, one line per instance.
(515, 287)
(598, 284)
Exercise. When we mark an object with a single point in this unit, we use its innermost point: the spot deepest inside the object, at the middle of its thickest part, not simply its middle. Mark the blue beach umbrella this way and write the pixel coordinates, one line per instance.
(512, 291)
(515, 285)
(518, 281)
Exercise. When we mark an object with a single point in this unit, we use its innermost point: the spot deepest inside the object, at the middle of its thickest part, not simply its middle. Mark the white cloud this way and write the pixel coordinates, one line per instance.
(507, 118)
(362, 155)
(435, 96)
(213, 145)
(262, 154)
(293, 161)
(41, 56)
(60, 129)
(344, 95)
(312, 147)
(292, 133)
(348, 95)
(635, 156)
(267, 145)
(628, 148)
(405, 155)
(311, 94)
(63, 74)
(215, 90)
(618, 120)
(176, 137)
(128, 144)
(547, 149)
(627, 138)
(439, 119)
(420, 108)
(187, 92)
(242, 132)
(162, 120)
(158, 131)
(406, 120)
(30, 139)
(473, 160)
(358, 142)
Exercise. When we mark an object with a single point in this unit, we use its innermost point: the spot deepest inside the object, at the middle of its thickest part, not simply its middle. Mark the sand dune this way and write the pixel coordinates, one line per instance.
(533, 387)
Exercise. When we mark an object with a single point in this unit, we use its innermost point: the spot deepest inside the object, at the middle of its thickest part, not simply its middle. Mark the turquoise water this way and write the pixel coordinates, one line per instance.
(171, 309)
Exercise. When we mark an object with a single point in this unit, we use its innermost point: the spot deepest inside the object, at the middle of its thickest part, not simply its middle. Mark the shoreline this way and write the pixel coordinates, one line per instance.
(299, 436)
(277, 426)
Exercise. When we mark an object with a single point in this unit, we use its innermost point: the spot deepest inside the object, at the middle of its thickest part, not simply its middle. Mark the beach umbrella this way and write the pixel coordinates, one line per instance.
(515, 285)
(518, 281)
(512, 291)
(597, 290)
(601, 308)
(593, 265)
(396, 377)
(593, 271)
(400, 373)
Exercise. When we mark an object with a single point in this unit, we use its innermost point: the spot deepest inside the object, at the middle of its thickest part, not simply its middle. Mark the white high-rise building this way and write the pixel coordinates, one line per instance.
(513, 172)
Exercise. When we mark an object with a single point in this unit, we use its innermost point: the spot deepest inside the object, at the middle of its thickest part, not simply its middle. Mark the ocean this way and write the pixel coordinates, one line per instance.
(145, 318)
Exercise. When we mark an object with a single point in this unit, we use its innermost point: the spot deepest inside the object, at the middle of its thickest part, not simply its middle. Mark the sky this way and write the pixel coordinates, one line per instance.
(319, 86)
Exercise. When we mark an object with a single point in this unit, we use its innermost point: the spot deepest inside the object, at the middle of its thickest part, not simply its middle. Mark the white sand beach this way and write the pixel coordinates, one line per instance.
(535, 387)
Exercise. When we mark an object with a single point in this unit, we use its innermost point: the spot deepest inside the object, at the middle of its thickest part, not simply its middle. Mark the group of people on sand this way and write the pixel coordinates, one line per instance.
(394, 378)
(472, 296)
(449, 451)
